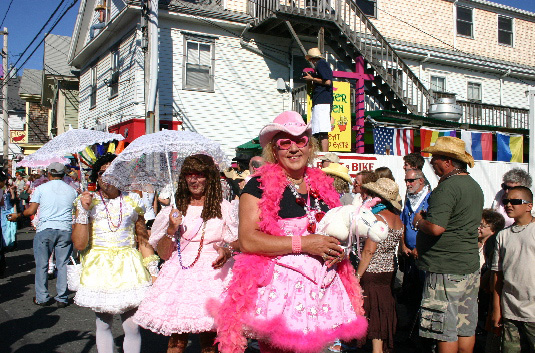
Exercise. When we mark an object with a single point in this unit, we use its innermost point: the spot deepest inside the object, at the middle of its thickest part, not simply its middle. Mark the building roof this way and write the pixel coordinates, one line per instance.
(31, 83)
(55, 55)
(14, 103)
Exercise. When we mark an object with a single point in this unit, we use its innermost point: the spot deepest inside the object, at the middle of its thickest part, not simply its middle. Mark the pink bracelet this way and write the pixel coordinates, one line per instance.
(296, 244)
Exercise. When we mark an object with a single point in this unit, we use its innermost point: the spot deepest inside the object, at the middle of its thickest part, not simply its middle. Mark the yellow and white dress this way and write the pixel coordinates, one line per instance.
(113, 278)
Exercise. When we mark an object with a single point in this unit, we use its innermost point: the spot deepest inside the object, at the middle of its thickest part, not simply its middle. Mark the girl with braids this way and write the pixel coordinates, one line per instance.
(115, 275)
(198, 232)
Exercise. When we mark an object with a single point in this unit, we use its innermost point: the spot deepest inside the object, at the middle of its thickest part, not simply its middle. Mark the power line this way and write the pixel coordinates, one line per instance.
(3, 19)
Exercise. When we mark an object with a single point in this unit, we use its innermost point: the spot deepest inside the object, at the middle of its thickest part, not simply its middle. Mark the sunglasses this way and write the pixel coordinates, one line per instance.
(411, 180)
(101, 172)
(286, 144)
(514, 202)
(194, 176)
(506, 187)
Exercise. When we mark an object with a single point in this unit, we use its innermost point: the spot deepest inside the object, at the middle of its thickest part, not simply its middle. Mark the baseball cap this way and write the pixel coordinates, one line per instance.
(331, 157)
(56, 168)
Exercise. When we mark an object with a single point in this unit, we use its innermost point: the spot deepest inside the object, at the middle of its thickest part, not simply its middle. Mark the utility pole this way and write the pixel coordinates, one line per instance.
(4, 95)
(531, 99)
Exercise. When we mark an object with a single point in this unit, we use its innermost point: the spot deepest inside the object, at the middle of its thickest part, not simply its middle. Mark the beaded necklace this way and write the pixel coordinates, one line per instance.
(315, 214)
(108, 214)
(198, 253)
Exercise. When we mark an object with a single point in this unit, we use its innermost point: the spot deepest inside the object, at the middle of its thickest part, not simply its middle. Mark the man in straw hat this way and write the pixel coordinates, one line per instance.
(322, 97)
(447, 249)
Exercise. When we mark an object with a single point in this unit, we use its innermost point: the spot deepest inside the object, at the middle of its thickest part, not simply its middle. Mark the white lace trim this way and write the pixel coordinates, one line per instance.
(113, 302)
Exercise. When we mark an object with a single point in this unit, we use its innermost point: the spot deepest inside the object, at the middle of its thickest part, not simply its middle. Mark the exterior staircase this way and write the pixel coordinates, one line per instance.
(350, 34)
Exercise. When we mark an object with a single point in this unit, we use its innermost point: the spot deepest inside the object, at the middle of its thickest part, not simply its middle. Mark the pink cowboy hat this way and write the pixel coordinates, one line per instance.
(289, 121)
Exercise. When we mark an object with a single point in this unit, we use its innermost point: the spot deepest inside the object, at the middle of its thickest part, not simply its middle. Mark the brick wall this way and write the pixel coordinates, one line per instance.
(37, 119)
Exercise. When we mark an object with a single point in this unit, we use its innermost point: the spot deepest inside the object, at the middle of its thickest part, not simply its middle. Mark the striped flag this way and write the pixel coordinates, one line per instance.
(428, 137)
(389, 140)
(478, 144)
(510, 147)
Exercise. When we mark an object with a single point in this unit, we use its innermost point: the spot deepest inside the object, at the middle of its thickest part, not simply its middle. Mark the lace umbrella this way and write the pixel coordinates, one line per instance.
(42, 163)
(72, 141)
(153, 161)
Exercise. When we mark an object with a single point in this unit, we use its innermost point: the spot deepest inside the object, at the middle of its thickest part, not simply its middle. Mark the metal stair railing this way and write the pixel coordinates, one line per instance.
(363, 36)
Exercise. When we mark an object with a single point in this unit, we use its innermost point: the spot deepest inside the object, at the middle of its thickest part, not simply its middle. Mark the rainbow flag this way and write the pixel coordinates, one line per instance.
(510, 147)
(428, 137)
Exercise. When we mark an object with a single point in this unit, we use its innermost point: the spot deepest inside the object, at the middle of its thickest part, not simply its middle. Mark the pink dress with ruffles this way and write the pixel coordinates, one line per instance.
(177, 300)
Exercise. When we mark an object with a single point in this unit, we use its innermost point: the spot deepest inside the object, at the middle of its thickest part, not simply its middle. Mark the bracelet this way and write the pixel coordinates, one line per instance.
(171, 236)
(296, 244)
(149, 259)
(358, 276)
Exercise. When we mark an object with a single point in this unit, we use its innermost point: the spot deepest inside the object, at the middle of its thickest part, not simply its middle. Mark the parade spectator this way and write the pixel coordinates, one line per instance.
(340, 175)
(415, 201)
(512, 178)
(115, 274)
(75, 182)
(7, 193)
(55, 202)
(363, 177)
(384, 172)
(377, 267)
(413, 161)
(205, 224)
(288, 288)
(329, 158)
(513, 270)
(447, 249)
(255, 163)
(322, 97)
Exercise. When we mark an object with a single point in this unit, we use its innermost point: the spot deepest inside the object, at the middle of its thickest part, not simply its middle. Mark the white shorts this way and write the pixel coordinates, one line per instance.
(321, 118)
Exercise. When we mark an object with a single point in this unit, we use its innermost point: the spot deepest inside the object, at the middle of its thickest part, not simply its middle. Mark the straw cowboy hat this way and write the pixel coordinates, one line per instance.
(289, 121)
(387, 189)
(338, 170)
(314, 53)
(451, 147)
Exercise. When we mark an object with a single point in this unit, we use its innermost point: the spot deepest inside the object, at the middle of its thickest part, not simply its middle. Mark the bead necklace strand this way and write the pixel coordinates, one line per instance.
(198, 253)
(315, 214)
(108, 214)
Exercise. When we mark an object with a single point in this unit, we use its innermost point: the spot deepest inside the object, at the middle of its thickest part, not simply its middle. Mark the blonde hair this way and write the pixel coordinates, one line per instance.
(268, 152)
(340, 185)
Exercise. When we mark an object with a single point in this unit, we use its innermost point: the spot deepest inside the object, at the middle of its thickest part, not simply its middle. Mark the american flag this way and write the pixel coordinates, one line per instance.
(399, 142)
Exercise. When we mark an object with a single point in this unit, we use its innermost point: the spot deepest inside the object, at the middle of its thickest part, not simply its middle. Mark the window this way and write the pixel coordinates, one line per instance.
(464, 21)
(438, 84)
(474, 92)
(199, 59)
(114, 78)
(369, 7)
(93, 88)
(505, 30)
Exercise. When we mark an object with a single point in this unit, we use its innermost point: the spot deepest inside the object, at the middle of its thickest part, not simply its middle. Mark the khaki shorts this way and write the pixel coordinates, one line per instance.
(449, 306)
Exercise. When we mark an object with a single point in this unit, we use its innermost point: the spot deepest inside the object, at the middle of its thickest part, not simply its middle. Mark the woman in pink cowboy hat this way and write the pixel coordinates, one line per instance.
(292, 289)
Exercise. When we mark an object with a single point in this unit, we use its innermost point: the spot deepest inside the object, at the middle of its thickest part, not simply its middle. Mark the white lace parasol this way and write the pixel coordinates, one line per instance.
(154, 160)
(72, 141)
(42, 163)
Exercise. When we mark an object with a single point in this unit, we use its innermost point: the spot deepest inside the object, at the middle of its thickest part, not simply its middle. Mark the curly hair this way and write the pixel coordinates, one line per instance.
(494, 219)
(340, 185)
(200, 163)
(103, 160)
(518, 175)
(269, 151)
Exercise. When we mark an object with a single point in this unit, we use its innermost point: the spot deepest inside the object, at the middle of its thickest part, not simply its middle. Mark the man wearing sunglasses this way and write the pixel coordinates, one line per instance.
(512, 178)
(513, 275)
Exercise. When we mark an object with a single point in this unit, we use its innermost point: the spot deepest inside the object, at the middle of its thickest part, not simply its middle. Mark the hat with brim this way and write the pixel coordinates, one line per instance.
(451, 147)
(387, 189)
(289, 122)
(331, 157)
(338, 170)
(313, 53)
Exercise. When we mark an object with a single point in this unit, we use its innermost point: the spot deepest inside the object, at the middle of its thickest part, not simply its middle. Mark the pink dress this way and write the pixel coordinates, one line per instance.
(176, 303)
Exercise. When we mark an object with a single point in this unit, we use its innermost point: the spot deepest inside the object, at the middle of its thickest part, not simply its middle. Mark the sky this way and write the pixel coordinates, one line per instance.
(26, 17)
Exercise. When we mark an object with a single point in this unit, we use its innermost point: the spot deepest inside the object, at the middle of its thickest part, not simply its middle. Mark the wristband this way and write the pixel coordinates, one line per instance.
(296, 244)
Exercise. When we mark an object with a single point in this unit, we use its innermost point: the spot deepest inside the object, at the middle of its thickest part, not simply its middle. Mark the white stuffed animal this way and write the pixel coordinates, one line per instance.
(344, 222)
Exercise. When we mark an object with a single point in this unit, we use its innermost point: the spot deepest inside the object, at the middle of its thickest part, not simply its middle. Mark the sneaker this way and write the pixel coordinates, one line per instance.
(61, 305)
(47, 303)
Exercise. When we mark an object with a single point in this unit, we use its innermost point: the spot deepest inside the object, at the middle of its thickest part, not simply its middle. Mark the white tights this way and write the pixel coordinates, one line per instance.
(132, 336)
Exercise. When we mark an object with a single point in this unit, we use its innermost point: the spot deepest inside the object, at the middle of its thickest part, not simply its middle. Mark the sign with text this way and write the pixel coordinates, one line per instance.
(18, 136)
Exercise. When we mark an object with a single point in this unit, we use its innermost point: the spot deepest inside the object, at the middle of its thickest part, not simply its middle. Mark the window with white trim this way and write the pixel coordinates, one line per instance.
(465, 23)
(199, 62)
(438, 84)
(474, 92)
(114, 74)
(369, 7)
(93, 87)
(505, 30)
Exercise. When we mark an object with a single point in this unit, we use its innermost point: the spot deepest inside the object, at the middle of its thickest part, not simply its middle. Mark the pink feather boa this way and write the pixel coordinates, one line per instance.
(253, 271)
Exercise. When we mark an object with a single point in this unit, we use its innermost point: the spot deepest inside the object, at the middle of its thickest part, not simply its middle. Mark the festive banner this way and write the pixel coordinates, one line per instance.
(392, 141)
(428, 137)
(478, 144)
(510, 147)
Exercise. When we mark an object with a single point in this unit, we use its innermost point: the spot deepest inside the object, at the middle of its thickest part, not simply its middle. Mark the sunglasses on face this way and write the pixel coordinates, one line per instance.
(194, 176)
(411, 180)
(286, 144)
(506, 187)
(514, 202)
(101, 172)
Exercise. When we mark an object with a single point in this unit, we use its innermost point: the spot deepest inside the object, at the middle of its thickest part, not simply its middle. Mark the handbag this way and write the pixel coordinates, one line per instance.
(24, 196)
(74, 271)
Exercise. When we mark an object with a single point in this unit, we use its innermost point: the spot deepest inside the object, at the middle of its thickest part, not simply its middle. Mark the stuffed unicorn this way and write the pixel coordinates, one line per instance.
(357, 219)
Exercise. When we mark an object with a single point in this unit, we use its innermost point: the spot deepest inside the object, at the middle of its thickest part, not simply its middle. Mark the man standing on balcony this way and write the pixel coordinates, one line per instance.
(322, 97)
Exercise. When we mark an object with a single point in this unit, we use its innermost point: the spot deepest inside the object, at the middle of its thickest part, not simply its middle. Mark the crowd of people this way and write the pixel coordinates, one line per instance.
(234, 255)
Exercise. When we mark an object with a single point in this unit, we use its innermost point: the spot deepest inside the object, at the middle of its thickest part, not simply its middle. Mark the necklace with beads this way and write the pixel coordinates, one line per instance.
(314, 214)
(454, 172)
(517, 229)
(108, 214)
(198, 252)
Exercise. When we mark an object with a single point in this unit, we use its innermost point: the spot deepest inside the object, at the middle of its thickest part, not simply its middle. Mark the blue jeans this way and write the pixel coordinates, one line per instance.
(44, 242)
